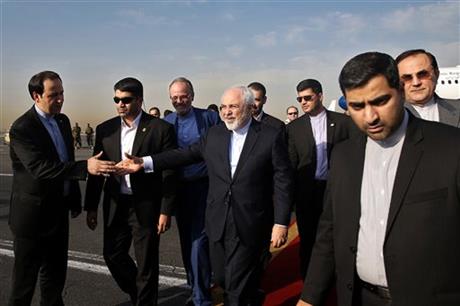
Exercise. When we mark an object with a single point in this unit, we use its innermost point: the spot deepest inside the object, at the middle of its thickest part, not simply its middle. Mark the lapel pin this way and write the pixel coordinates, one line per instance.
(144, 129)
(332, 124)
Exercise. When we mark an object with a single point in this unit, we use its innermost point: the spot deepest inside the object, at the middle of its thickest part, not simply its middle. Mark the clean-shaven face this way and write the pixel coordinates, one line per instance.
(52, 99)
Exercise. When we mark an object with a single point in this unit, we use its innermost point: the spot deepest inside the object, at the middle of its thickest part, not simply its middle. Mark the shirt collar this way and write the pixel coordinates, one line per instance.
(244, 129)
(135, 122)
(318, 117)
(397, 135)
(259, 116)
(42, 113)
(427, 105)
(186, 116)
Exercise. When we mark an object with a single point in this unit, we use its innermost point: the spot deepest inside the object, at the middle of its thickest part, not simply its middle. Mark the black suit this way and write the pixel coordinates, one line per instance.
(272, 121)
(133, 217)
(309, 193)
(421, 248)
(242, 209)
(449, 110)
(39, 208)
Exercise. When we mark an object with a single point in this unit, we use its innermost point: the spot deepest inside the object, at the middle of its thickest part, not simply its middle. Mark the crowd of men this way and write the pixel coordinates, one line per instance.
(376, 192)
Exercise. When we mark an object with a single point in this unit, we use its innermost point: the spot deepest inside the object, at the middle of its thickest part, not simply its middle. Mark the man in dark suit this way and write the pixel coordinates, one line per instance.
(419, 72)
(45, 188)
(191, 123)
(260, 98)
(311, 139)
(249, 194)
(389, 231)
(136, 207)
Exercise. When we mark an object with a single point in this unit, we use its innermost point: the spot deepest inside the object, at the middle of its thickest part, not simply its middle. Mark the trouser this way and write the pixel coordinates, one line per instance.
(43, 257)
(308, 213)
(141, 281)
(237, 266)
(190, 216)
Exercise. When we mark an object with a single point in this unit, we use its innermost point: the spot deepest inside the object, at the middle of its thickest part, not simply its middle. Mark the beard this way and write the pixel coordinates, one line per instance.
(238, 122)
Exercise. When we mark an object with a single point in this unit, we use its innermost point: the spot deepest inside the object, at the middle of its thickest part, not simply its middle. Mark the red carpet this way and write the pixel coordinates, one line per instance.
(282, 282)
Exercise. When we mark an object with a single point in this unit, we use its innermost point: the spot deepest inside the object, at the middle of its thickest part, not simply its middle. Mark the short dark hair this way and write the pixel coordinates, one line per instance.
(213, 107)
(186, 81)
(405, 54)
(359, 70)
(131, 85)
(36, 82)
(155, 108)
(258, 87)
(310, 83)
(167, 112)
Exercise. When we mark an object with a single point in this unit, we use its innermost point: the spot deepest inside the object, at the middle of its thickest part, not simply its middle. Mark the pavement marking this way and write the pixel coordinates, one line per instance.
(6, 174)
(98, 268)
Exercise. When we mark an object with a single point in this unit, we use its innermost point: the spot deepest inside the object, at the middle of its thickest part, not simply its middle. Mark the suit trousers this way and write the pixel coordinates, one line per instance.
(190, 214)
(141, 281)
(237, 267)
(43, 257)
(308, 213)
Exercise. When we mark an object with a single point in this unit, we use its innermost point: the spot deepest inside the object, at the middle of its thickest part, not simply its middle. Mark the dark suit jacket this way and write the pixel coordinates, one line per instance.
(449, 110)
(272, 121)
(38, 182)
(260, 190)
(421, 248)
(153, 192)
(302, 148)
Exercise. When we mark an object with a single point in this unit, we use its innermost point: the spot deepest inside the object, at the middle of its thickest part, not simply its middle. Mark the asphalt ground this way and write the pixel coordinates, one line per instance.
(88, 280)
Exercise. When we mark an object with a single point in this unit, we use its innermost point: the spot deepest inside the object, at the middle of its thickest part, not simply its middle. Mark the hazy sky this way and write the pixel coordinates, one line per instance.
(216, 44)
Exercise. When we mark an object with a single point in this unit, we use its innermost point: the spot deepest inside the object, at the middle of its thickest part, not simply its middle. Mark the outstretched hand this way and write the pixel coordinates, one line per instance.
(129, 165)
(100, 167)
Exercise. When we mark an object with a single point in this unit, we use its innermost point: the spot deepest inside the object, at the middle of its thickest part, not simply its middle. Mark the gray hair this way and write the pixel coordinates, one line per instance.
(183, 80)
(248, 96)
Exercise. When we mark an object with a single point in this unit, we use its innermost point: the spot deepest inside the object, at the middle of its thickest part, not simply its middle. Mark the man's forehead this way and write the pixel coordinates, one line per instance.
(232, 96)
(416, 61)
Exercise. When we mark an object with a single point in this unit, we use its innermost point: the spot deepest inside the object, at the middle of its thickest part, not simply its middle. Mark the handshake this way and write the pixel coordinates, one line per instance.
(129, 165)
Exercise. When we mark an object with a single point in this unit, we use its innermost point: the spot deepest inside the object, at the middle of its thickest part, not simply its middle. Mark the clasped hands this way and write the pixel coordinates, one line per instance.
(130, 165)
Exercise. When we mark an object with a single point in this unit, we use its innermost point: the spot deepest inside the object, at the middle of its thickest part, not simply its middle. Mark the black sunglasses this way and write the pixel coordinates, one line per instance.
(125, 100)
(305, 98)
(421, 75)
(294, 113)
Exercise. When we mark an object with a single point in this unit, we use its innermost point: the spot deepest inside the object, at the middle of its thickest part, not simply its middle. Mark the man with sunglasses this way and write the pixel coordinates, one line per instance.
(419, 72)
(292, 113)
(136, 207)
(190, 124)
(310, 140)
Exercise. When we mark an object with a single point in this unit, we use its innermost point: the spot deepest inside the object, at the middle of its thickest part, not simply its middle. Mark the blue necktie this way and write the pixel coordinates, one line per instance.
(58, 140)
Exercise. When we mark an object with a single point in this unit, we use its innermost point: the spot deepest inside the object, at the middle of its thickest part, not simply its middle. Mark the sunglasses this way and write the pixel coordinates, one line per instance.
(293, 113)
(125, 100)
(305, 98)
(421, 75)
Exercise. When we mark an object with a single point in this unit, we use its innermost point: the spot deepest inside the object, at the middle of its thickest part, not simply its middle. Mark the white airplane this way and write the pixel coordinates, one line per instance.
(448, 85)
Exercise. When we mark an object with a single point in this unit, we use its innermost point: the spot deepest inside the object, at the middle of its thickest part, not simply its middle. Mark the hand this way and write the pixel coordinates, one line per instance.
(91, 219)
(98, 167)
(302, 303)
(279, 235)
(130, 165)
(164, 222)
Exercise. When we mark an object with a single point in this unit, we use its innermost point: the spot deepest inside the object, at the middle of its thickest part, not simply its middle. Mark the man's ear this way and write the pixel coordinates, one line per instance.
(264, 99)
(35, 96)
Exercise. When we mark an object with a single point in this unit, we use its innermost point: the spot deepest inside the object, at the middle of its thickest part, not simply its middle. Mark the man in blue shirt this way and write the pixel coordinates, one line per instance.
(190, 124)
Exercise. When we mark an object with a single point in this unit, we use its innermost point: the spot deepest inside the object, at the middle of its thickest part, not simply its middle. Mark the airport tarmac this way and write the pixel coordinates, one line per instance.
(88, 279)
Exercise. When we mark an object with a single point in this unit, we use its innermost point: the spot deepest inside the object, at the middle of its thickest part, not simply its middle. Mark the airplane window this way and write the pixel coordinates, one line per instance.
(449, 82)
(442, 82)
(456, 81)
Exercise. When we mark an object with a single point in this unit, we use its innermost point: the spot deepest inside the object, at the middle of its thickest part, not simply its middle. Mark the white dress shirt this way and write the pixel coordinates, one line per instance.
(429, 111)
(128, 133)
(236, 145)
(380, 165)
(319, 128)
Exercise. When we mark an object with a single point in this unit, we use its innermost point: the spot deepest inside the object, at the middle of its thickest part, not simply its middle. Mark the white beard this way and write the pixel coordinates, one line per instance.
(237, 123)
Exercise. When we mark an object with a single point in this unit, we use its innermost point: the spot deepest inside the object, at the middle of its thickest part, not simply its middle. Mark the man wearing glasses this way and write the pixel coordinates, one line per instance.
(419, 72)
(136, 207)
(310, 140)
(190, 124)
(292, 113)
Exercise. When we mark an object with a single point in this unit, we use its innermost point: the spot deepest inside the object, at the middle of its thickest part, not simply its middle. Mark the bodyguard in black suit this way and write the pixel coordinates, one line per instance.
(249, 194)
(260, 98)
(389, 231)
(45, 188)
(311, 139)
(136, 207)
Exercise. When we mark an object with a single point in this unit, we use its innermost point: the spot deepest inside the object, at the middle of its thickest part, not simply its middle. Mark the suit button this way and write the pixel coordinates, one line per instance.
(349, 286)
(353, 249)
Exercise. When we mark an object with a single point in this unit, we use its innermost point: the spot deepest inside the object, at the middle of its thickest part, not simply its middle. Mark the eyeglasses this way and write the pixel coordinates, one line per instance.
(294, 113)
(305, 98)
(125, 100)
(421, 75)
